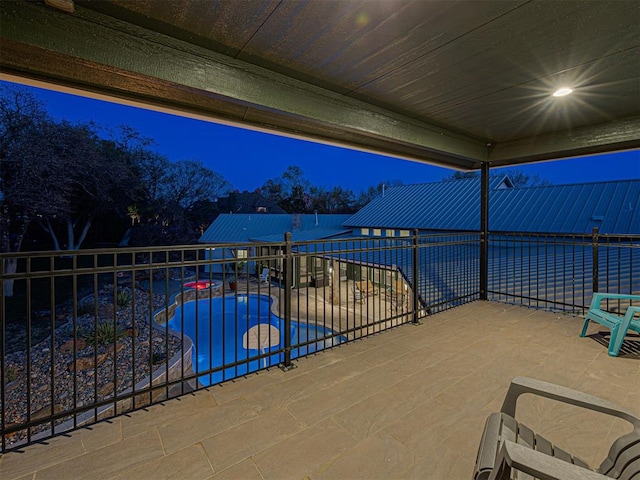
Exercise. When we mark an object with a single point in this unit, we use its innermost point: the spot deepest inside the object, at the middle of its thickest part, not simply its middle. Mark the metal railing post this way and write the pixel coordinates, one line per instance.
(594, 252)
(3, 378)
(288, 282)
(414, 279)
(484, 231)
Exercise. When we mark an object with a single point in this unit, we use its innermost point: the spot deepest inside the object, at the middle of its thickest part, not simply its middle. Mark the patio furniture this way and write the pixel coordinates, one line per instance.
(264, 276)
(357, 295)
(366, 288)
(397, 293)
(508, 446)
(619, 325)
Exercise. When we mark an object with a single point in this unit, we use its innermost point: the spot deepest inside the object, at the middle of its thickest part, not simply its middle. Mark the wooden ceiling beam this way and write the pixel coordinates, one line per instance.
(90, 51)
(616, 135)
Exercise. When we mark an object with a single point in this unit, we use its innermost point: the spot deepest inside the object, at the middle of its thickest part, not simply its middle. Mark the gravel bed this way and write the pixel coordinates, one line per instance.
(139, 348)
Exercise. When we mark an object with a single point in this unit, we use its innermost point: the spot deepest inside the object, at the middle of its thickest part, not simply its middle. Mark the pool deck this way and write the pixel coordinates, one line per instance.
(407, 403)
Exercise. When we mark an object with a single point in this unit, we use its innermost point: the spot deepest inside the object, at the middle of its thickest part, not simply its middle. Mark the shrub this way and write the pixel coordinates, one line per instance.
(104, 334)
(123, 298)
(11, 373)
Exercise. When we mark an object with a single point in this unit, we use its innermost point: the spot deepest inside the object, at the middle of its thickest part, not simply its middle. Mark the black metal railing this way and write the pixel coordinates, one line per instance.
(88, 335)
(561, 271)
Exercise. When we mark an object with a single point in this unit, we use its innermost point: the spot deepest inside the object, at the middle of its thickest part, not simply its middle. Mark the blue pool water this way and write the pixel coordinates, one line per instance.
(221, 340)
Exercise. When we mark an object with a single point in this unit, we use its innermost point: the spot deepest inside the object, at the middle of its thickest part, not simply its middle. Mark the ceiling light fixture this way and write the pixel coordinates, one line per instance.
(561, 92)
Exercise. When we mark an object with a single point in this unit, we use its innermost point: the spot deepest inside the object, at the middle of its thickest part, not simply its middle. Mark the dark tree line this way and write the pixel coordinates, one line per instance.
(518, 178)
(64, 180)
(295, 194)
(61, 179)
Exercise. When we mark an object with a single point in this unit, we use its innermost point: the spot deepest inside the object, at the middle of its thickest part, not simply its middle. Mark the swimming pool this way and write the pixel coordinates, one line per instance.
(221, 340)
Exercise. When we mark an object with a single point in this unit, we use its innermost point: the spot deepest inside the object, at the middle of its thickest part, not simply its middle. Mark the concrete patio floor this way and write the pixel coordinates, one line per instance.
(407, 403)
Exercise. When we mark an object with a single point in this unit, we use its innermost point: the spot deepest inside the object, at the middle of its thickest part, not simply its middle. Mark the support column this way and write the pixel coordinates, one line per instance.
(484, 231)
(595, 258)
(288, 282)
(415, 259)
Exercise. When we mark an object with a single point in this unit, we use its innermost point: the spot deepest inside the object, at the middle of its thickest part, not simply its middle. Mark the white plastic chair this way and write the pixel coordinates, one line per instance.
(264, 276)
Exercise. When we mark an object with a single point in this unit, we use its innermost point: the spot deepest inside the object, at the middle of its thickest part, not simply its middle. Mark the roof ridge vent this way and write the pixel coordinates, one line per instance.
(505, 183)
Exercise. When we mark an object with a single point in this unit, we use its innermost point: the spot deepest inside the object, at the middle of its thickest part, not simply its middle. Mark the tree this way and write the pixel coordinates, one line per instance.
(22, 118)
(290, 191)
(153, 174)
(336, 200)
(56, 174)
(200, 215)
(462, 175)
(86, 177)
(189, 182)
(176, 196)
(372, 192)
(273, 190)
(297, 201)
(521, 179)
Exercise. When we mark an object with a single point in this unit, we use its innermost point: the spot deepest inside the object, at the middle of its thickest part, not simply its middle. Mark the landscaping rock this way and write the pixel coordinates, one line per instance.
(85, 363)
(67, 346)
(106, 389)
(77, 387)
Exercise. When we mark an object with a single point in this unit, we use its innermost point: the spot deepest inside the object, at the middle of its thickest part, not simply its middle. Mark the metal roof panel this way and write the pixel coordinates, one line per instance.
(232, 228)
(446, 205)
(614, 207)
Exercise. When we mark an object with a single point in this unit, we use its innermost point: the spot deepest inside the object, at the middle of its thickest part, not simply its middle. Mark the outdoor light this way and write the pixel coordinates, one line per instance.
(561, 92)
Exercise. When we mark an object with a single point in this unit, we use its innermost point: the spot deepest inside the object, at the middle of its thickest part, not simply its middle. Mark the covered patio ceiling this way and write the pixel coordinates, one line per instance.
(451, 83)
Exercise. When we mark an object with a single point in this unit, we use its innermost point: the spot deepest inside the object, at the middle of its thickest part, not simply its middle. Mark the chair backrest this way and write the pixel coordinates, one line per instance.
(623, 461)
(366, 287)
(264, 276)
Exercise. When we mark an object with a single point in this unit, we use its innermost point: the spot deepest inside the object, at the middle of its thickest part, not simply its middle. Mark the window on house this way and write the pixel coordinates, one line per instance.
(377, 232)
(343, 271)
(364, 231)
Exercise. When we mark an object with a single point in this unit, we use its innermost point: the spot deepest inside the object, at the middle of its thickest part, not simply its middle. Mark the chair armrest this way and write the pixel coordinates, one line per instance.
(520, 385)
(633, 310)
(598, 297)
(539, 465)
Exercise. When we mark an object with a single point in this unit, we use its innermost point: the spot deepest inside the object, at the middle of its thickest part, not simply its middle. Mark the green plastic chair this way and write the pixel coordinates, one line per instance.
(619, 325)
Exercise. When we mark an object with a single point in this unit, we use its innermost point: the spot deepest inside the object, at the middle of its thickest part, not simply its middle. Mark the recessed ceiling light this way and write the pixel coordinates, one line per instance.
(561, 92)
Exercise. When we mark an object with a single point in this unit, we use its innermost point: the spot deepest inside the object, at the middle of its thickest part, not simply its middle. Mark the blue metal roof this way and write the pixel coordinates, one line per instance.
(446, 205)
(239, 228)
(614, 207)
(305, 235)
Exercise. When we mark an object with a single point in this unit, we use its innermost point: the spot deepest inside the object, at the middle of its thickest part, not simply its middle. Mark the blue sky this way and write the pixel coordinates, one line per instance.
(247, 158)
